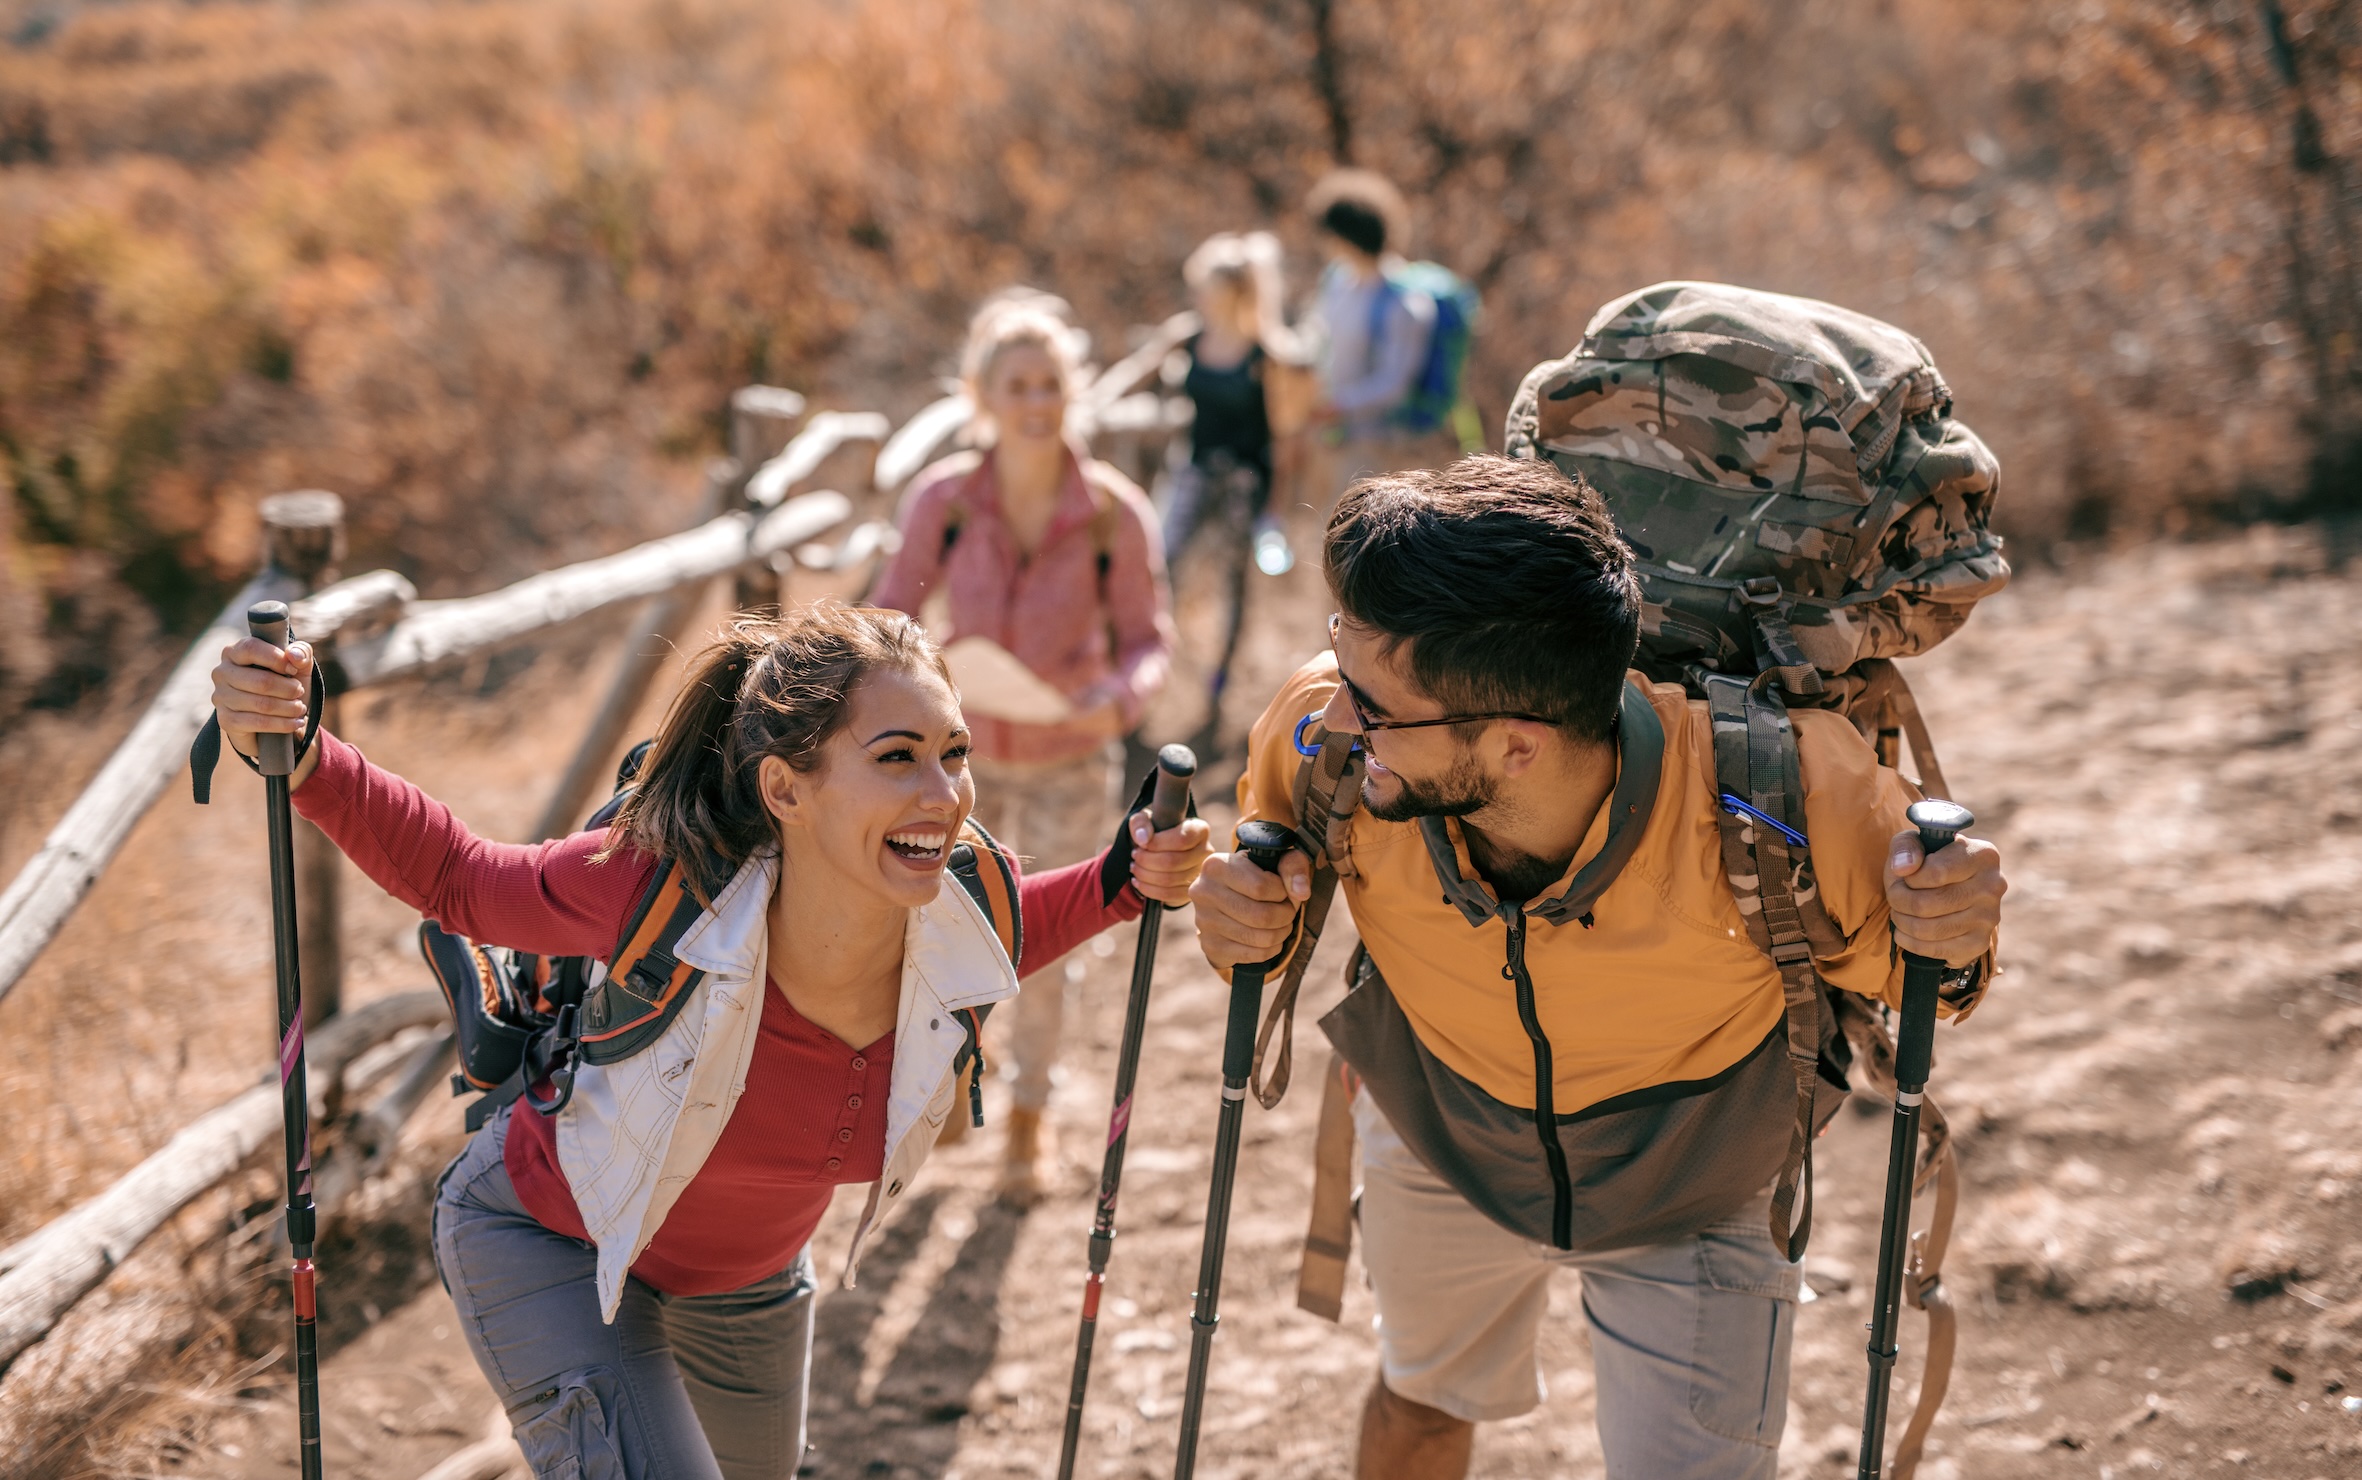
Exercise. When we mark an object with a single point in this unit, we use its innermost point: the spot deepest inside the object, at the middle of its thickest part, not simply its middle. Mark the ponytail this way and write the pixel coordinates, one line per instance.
(766, 687)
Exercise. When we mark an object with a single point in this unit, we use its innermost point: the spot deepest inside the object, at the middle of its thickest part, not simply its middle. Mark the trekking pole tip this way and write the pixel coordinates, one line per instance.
(1939, 822)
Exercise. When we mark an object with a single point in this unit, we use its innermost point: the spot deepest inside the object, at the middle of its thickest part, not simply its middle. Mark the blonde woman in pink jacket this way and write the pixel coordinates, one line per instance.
(1029, 541)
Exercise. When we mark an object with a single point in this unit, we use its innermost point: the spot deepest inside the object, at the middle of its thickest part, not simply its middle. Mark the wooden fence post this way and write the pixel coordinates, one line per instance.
(762, 419)
(303, 536)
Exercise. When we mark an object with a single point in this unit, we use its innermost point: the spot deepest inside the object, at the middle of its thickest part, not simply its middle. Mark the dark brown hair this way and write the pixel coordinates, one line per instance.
(1361, 207)
(769, 686)
(1507, 579)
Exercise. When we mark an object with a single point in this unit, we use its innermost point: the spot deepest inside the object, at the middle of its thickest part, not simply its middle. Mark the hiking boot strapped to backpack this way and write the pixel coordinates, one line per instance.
(1804, 509)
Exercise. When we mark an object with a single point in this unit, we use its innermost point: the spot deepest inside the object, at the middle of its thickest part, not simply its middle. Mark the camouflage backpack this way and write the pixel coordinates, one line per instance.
(1804, 510)
(1790, 476)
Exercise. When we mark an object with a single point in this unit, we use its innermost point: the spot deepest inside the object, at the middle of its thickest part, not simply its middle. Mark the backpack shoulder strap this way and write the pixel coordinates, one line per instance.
(646, 983)
(955, 509)
(1768, 859)
(1887, 714)
(1106, 511)
(955, 518)
(1327, 793)
(983, 869)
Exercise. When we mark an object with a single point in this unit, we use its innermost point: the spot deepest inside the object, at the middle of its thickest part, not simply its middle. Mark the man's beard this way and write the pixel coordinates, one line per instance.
(1461, 791)
(1465, 788)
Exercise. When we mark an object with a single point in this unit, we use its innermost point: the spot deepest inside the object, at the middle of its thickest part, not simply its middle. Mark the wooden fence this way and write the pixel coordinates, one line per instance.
(764, 528)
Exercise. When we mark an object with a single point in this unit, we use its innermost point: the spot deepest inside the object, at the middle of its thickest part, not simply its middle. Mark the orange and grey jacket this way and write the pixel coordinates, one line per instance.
(1625, 1014)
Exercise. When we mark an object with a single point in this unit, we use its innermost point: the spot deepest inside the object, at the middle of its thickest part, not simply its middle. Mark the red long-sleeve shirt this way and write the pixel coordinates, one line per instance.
(814, 1112)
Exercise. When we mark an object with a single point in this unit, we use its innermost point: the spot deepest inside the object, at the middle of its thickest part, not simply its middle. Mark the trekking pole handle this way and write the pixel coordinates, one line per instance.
(1939, 822)
(274, 754)
(1265, 844)
(1175, 765)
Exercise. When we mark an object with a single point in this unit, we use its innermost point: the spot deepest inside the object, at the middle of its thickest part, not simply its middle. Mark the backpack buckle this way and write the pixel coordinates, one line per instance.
(552, 1054)
(1776, 649)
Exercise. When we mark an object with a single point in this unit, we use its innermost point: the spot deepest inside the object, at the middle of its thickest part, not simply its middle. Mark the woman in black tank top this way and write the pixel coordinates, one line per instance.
(1233, 427)
(1235, 282)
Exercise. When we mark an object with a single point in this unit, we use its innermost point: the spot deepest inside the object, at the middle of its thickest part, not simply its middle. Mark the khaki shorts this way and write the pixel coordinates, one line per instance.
(1689, 1339)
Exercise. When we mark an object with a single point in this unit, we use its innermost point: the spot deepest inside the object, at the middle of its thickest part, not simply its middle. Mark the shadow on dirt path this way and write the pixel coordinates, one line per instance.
(921, 1393)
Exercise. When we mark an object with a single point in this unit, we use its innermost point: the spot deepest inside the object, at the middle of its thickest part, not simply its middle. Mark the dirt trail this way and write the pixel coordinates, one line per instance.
(2160, 1103)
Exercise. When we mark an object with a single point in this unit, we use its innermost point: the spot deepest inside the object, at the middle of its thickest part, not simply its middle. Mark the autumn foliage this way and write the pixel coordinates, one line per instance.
(489, 269)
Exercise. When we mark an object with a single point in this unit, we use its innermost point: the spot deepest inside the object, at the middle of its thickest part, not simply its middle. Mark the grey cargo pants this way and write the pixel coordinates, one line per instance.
(695, 1387)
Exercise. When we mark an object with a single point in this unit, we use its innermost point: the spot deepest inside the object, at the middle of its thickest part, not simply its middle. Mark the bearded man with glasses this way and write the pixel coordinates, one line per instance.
(1569, 1049)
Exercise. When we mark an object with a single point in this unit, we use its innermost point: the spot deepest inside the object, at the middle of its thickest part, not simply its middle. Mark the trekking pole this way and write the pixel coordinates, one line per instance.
(1175, 764)
(275, 757)
(1266, 843)
(1938, 822)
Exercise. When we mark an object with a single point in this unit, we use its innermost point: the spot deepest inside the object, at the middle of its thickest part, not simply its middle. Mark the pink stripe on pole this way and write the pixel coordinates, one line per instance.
(1119, 1122)
(290, 1049)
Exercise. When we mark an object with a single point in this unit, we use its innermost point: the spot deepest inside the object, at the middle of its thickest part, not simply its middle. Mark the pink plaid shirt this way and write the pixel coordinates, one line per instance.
(1090, 636)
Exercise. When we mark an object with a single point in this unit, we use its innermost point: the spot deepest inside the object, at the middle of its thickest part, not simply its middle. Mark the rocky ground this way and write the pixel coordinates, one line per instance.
(2159, 1262)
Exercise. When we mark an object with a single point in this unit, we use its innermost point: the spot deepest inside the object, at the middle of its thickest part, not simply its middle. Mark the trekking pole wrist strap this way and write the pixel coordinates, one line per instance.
(205, 752)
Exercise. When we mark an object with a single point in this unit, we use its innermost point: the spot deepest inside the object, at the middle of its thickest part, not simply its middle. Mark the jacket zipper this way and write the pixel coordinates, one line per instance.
(1562, 1209)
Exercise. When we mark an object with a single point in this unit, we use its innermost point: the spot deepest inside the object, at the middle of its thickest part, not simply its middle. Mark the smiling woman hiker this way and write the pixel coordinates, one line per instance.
(631, 1271)
(1032, 544)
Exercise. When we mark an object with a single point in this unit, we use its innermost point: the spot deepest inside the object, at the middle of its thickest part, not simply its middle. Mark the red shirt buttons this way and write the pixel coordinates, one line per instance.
(859, 1062)
(852, 1102)
(846, 1134)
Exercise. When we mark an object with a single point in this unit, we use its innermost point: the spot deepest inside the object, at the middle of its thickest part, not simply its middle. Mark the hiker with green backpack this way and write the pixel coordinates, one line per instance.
(1396, 336)
(1605, 759)
(772, 994)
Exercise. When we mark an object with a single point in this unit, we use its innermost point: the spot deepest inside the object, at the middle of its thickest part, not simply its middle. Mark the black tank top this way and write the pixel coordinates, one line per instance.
(1232, 422)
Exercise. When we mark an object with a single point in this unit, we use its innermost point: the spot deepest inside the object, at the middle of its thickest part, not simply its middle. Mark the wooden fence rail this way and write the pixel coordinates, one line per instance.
(76, 851)
(371, 629)
(42, 1276)
(431, 633)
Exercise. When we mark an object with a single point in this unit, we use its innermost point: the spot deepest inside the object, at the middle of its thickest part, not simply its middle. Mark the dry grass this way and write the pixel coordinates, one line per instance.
(490, 268)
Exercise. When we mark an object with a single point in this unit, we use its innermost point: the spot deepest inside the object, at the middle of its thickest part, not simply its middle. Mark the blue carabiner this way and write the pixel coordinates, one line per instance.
(1301, 726)
(1309, 751)
(1733, 804)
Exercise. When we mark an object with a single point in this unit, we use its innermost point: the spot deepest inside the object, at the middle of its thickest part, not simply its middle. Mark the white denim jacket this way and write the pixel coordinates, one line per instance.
(637, 1131)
